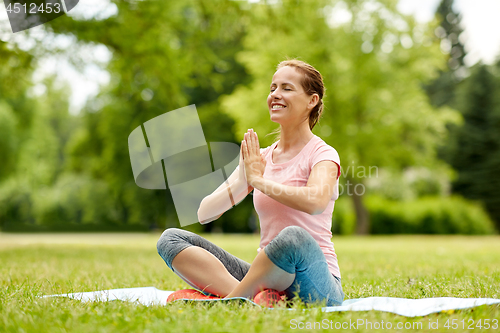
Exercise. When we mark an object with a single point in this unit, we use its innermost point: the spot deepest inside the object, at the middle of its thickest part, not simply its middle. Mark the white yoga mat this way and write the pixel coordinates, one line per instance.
(402, 306)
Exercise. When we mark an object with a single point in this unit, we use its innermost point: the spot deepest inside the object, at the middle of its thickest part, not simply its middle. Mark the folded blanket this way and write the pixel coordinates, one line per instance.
(402, 306)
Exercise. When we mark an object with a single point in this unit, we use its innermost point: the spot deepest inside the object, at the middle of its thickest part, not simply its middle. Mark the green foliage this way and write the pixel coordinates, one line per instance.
(430, 215)
(344, 217)
(16, 109)
(8, 139)
(474, 148)
(165, 56)
(442, 90)
(373, 96)
(31, 194)
(450, 31)
(410, 183)
(173, 54)
(220, 55)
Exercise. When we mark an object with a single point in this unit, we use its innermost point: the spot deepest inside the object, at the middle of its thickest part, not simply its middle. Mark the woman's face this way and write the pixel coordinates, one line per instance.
(288, 103)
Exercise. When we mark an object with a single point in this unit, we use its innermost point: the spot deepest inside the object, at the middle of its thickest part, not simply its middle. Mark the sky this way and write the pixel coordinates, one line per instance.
(479, 20)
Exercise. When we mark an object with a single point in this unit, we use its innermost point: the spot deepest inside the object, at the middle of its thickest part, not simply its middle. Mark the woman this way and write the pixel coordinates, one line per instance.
(295, 184)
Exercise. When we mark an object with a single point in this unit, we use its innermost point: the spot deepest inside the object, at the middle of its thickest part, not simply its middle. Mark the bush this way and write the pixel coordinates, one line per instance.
(344, 217)
(73, 201)
(429, 215)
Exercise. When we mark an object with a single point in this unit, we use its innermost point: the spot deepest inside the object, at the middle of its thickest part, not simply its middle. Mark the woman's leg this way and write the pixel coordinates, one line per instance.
(293, 253)
(263, 274)
(297, 251)
(200, 263)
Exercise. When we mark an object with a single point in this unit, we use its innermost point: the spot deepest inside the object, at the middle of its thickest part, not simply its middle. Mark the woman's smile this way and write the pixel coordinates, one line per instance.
(277, 106)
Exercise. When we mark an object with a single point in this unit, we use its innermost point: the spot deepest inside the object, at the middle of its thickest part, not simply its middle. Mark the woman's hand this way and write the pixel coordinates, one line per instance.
(241, 174)
(253, 162)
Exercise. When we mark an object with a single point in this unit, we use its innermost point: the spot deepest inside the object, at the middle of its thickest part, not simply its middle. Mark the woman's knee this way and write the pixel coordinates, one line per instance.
(296, 236)
(171, 242)
(167, 237)
(290, 245)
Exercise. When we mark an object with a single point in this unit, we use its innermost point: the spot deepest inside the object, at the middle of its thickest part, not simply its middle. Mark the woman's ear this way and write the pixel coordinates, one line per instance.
(313, 101)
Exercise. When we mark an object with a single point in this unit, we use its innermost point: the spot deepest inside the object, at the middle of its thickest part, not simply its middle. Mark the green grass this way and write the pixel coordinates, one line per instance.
(397, 266)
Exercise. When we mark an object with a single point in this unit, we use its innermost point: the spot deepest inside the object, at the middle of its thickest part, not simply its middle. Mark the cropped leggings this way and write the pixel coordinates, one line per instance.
(293, 250)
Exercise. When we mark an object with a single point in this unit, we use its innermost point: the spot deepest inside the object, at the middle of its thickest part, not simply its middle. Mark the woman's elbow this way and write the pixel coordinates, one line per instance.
(204, 218)
(317, 206)
(202, 214)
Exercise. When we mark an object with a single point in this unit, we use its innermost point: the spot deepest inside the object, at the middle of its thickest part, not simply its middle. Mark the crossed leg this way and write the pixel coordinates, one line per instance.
(209, 268)
(263, 274)
(202, 270)
(293, 262)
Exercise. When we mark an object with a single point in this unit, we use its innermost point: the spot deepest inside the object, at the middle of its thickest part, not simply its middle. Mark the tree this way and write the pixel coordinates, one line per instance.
(16, 68)
(166, 55)
(16, 110)
(442, 90)
(474, 148)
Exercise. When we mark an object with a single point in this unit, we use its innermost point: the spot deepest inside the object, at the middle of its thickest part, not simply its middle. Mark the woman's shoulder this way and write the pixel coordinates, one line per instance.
(320, 144)
(320, 150)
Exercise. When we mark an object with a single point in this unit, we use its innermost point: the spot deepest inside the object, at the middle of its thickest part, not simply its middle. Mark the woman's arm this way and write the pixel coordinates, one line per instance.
(312, 198)
(215, 204)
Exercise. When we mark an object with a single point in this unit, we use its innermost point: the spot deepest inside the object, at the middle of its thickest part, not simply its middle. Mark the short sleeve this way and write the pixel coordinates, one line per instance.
(326, 153)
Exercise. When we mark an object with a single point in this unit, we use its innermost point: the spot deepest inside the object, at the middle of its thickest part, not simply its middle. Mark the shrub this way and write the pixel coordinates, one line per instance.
(344, 217)
(429, 215)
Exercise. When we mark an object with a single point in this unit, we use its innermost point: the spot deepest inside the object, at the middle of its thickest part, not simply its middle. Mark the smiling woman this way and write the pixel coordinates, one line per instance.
(295, 184)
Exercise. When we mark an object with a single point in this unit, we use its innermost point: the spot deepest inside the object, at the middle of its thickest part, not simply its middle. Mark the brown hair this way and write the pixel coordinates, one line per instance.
(312, 84)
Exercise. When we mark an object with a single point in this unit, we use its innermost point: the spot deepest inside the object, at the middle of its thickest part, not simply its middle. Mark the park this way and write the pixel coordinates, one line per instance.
(411, 109)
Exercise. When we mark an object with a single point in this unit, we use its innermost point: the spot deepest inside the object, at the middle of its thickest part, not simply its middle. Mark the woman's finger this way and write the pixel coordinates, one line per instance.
(257, 145)
(245, 139)
(254, 141)
(248, 140)
(245, 149)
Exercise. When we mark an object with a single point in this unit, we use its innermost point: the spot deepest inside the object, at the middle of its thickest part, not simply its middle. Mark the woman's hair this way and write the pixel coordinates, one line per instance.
(312, 84)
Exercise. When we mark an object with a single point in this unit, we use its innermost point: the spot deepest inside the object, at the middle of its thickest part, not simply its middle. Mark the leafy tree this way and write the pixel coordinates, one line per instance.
(16, 68)
(166, 55)
(16, 109)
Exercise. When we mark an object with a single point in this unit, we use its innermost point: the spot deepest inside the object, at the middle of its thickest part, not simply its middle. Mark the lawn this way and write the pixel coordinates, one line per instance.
(32, 265)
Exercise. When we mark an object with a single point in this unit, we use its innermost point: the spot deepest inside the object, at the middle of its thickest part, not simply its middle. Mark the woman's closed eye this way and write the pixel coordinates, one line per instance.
(286, 89)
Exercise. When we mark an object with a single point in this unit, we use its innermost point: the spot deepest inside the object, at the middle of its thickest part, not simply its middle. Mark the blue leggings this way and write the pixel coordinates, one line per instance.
(293, 250)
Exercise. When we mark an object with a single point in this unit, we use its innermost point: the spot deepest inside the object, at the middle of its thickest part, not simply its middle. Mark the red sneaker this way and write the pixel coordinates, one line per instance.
(188, 294)
(269, 297)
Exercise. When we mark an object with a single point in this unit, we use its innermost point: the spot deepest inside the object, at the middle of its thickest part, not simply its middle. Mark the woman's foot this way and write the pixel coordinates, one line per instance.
(188, 294)
(269, 297)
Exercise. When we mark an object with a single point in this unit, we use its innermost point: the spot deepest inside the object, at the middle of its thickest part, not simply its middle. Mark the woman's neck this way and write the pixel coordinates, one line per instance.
(294, 137)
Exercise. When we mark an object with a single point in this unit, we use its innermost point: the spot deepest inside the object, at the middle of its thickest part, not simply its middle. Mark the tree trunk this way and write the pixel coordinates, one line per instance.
(362, 216)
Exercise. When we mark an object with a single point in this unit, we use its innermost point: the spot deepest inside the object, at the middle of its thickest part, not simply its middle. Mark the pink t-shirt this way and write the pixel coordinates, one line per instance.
(275, 216)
